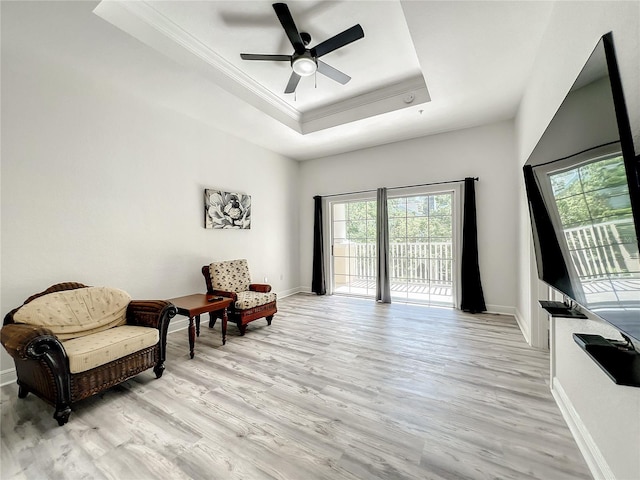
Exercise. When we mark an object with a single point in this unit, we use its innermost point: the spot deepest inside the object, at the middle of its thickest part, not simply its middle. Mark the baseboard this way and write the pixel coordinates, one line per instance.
(178, 323)
(8, 376)
(525, 328)
(291, 291)
(595, 460)
(501, 310)
(495, 309)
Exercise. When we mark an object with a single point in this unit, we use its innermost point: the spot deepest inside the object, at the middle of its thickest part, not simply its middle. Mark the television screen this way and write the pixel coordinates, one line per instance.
(580, 181)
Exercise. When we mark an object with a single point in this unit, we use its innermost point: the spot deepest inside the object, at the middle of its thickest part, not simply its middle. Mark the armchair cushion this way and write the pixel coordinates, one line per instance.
(250, 299)
(90, 351)
(72, 313)
(231, 276)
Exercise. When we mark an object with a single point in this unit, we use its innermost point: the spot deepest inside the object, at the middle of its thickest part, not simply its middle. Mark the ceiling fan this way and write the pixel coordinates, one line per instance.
(305, 61)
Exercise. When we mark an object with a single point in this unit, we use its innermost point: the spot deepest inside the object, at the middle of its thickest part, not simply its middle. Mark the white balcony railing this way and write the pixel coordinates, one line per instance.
(598, 251)
(420, 262)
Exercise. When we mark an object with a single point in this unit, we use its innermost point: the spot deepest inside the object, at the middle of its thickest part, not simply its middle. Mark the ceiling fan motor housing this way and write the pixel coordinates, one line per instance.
(306, 38)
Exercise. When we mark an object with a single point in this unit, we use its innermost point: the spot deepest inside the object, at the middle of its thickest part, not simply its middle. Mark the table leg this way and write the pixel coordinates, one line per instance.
(192, 336)
(197, 325)
(224, 326)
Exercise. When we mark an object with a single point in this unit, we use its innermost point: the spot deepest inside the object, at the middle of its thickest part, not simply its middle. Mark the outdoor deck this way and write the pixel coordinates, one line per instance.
(435, 294)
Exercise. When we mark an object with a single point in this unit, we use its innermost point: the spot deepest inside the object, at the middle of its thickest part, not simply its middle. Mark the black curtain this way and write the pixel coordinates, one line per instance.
(552, 267)
(472, 296)
(318, 284)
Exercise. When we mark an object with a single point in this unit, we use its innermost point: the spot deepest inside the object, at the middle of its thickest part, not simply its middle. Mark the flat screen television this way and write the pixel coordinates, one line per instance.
(583, 189)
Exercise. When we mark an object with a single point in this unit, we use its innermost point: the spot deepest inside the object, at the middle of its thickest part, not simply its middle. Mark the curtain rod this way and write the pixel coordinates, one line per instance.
(393, 188)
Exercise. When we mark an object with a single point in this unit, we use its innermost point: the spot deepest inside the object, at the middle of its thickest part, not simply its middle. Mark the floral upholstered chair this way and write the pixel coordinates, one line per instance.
(251, 301)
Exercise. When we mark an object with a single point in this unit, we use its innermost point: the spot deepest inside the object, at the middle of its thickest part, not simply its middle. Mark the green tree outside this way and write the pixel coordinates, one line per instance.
(593, 193)
(414, 219)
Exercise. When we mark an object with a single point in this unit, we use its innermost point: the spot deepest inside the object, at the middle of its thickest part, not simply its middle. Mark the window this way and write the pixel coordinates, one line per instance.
(595, 213)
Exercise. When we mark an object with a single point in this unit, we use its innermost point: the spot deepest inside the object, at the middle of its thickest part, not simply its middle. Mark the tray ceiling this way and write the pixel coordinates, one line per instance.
(210, 36)
(475, 57)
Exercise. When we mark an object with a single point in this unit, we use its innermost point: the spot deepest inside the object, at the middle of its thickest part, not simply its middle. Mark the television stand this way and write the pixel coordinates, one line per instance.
(618, 359)
(559, 309)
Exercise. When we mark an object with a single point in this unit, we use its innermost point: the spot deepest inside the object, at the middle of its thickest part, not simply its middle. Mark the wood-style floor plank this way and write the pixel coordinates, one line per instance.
(336, 388)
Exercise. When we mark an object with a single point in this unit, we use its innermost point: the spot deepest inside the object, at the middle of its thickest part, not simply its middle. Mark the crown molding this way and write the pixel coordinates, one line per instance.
(403, 94)
(145, 23)
(153, 17)
(412, 85)
(142, 21)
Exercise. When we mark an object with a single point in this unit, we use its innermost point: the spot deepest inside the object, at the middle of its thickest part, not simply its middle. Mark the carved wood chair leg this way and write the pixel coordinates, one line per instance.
(269, 318)
(243, 328)
(212, 319)
(62, 414)
(22, 391)
(159, 369)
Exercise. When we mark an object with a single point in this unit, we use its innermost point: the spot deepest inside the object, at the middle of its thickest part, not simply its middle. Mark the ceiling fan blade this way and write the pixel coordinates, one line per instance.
(293, 83)
(256, 56)
(332, 73)
(284, 15)
(340, 40)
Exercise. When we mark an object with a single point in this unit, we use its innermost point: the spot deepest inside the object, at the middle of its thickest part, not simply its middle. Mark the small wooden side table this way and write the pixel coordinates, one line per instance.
(193, 306)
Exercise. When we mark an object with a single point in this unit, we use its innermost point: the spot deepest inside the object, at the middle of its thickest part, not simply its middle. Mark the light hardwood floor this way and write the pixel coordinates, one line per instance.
(335, 388)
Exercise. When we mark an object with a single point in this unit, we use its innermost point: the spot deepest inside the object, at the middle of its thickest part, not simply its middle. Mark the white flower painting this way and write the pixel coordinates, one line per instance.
(226, 210)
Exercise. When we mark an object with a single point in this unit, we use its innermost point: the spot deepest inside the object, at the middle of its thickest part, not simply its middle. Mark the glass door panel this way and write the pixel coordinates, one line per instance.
(354, 247)
(421, 248)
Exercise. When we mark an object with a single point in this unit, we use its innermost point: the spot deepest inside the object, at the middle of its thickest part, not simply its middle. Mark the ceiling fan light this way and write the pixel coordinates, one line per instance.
(304, 66)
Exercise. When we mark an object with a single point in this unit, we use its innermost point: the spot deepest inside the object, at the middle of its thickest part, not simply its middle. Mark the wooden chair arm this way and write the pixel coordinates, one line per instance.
(224, 293)
(17, 338)
(150, 313)
(28, 342)
(260, 287)
(153, 314)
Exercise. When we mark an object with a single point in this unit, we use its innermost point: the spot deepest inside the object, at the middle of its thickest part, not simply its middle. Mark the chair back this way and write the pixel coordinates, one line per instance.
(230, 275)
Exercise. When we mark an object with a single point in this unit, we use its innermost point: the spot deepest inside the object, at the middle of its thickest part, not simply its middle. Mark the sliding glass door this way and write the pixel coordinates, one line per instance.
(421, 247)
(353, 229)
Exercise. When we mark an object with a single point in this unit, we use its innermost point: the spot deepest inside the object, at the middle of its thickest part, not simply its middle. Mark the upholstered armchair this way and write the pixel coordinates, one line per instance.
(251, 301)
(72, 341)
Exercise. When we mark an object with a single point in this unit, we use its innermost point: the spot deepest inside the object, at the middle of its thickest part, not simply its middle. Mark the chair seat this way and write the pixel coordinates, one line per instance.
(100, 348)
(249, 299)
(252, 300)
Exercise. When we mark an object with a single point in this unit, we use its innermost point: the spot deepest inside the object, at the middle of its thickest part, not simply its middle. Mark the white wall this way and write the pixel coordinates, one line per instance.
(102, 188)
(605, 417)
(487, 152)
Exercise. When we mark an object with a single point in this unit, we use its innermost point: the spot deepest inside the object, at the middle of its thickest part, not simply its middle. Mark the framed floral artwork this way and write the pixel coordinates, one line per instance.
(226, 210)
